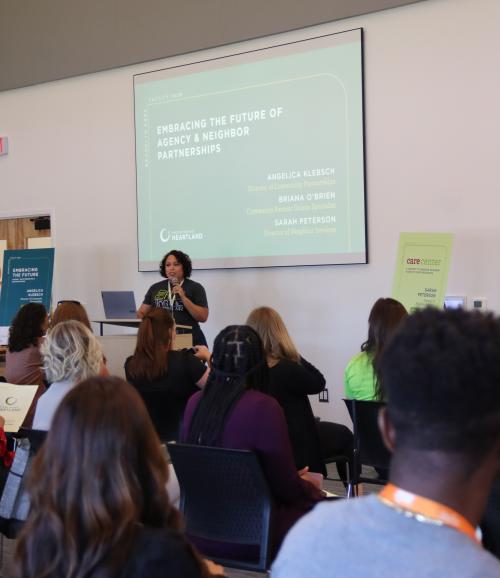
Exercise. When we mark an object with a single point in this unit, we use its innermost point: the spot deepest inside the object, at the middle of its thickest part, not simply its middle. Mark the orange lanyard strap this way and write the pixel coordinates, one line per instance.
(425, 510)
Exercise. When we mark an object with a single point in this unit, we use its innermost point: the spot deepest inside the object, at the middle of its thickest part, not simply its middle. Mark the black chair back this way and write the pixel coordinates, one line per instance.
(224, 498)
(14, 501)
(36, 437)
(369, 448)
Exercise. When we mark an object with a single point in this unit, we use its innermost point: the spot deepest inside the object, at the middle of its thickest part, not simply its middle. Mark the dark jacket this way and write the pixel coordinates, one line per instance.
(290, 384)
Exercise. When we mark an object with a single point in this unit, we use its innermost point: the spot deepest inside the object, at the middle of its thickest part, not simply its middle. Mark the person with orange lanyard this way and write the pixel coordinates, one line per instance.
(441, 375)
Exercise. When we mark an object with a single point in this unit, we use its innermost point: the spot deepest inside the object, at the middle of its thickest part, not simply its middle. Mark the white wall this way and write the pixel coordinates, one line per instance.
(432, 98)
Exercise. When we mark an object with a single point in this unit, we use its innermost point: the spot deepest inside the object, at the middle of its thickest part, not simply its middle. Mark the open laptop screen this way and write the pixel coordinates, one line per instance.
(119, 304)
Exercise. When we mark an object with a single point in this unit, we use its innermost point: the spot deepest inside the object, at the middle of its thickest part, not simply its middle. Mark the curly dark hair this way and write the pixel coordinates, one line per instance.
(238, 363)
(184, 260)
(26, 326)
(441, 374)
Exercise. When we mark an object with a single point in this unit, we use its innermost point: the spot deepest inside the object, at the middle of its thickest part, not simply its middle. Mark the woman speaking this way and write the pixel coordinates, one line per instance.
(184, 298)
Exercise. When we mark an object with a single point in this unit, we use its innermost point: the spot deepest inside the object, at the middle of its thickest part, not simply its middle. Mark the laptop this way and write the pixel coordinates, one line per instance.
(119, 304)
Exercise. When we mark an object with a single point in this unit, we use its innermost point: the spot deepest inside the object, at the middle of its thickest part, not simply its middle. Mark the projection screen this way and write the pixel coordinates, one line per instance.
(256, 158)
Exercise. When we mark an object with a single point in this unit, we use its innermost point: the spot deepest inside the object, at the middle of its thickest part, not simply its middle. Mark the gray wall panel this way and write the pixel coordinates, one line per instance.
(44, 40)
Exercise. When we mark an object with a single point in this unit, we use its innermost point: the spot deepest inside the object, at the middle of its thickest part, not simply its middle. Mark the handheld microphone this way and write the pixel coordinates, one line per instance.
(173, 281)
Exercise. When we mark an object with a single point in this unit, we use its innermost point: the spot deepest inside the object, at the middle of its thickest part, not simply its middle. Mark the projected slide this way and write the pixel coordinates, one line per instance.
(254, 159)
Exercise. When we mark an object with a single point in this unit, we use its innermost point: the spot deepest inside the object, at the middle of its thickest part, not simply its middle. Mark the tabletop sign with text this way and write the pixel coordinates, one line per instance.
(15, 401)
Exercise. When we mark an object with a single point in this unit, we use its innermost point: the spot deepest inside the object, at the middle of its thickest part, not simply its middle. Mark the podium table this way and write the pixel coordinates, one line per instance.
(118, 322)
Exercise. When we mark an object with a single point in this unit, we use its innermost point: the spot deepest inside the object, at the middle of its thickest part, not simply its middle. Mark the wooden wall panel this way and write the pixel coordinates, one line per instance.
(17, 231)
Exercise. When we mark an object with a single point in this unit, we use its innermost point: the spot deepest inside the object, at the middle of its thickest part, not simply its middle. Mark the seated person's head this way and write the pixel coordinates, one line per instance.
(385, 317)
(100, 475)
(441, 373)
(71, 353)
(28, 326)
(70, 311)
(271, 328)
(154, 338)
(157, 325)
(238, 355)
(238, 363)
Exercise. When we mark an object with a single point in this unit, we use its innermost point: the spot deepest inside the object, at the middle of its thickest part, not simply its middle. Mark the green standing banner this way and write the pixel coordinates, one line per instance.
(422, 266)
(27, 278)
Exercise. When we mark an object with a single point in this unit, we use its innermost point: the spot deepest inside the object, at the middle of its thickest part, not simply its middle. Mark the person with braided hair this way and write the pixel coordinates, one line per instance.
(234, 411)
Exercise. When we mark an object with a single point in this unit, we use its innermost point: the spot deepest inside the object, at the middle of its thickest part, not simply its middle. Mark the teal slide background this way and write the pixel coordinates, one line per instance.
(223, 204)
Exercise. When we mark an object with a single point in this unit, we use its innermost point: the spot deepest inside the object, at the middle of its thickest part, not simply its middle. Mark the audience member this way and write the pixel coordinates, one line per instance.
(99, 507)
(164, 377)
(70, 354)
(441, 373)
(360, 379)
(70, 311)
(233, 411)
(291, 380)
(74, 311)
(23, 362)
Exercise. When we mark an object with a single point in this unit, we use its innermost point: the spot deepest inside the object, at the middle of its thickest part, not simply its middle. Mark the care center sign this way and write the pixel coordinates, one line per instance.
(422, 266)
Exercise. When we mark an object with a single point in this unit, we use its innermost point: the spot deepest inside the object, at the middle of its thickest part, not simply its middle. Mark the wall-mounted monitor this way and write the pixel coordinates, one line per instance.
(256, 158)
(455, 302)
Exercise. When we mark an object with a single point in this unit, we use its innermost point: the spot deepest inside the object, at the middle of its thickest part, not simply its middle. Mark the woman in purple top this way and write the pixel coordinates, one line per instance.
(234, 411)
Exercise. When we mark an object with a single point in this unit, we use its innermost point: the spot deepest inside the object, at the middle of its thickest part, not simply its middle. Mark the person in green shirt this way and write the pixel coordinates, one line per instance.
(360, 380)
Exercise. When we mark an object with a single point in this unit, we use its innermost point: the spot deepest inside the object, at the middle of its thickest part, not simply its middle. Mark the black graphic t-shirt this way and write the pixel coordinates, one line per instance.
(157, 296)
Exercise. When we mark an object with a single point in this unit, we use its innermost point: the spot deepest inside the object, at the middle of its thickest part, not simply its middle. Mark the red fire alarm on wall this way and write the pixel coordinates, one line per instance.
(4, 145)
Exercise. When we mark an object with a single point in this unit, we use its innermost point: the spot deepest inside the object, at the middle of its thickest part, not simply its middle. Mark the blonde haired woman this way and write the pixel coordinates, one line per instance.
(70, 354)
(291, 380)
